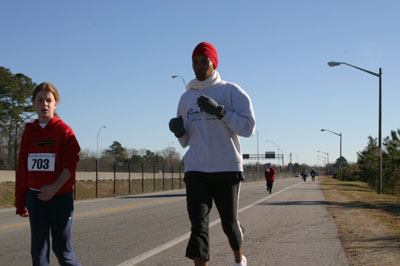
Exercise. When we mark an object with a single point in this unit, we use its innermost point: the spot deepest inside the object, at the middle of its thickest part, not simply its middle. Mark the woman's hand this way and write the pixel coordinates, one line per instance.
(24, 214)
(47, 192)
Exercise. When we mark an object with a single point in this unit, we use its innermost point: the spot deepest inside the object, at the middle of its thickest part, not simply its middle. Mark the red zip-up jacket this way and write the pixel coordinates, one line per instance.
(43, 154)
(270, 176)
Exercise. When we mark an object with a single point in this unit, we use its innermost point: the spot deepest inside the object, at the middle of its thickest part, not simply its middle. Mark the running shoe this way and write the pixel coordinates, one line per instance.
(242, 263)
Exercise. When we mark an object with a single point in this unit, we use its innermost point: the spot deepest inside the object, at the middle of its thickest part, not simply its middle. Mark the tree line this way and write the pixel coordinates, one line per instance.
(122, 157)
(15, 109)
(366, 167)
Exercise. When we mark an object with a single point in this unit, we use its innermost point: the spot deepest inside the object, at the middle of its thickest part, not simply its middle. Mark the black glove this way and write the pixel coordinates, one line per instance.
(210, 106)
(176, 126)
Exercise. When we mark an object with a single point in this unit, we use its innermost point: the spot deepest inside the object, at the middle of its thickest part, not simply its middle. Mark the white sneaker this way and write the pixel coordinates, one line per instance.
(242, 263)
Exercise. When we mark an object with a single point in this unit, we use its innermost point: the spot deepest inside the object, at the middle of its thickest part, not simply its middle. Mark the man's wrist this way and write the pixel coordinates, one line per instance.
(223, 113)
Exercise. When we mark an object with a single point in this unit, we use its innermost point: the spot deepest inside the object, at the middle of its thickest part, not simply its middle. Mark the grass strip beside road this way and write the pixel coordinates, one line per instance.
(368, 224)
(7, 195)
(87, 190)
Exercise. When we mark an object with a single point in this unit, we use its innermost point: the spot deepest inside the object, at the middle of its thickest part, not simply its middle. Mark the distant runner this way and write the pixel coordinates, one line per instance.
(269, 176)
(304, 174)
(313, 174)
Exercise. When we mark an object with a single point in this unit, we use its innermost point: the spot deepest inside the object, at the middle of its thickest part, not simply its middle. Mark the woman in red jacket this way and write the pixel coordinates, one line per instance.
(45, 179)
(269, 176)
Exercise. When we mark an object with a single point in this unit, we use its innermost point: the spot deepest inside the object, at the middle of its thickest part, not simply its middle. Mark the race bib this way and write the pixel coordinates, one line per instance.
(41, 162)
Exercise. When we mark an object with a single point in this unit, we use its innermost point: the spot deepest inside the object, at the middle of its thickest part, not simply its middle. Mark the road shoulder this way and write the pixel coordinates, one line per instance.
(368, 225)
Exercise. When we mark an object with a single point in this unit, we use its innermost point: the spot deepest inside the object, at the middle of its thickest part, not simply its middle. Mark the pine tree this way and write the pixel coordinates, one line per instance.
(15, 109)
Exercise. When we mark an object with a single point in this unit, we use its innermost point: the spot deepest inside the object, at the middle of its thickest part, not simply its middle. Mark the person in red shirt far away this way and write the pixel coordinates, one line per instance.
(45, 179)
(269, 176)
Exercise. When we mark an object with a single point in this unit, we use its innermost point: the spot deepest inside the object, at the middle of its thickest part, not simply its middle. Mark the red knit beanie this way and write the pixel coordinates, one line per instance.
(207, 49)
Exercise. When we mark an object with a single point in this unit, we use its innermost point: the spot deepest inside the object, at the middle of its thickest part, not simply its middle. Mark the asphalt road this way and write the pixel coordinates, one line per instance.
(288, 227)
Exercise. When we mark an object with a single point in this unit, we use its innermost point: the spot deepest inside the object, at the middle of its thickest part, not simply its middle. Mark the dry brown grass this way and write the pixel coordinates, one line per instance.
(368, 224)
(87, 190)
(7, 195)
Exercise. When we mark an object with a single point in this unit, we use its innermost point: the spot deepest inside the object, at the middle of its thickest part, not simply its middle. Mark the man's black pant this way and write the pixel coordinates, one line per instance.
(201, 189)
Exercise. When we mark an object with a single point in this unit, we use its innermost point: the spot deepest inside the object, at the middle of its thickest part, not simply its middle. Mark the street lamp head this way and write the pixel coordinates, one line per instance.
(174, 76)
(323, 129)
(333, 63)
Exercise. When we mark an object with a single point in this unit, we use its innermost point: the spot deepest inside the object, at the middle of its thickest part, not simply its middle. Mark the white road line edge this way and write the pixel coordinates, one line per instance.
(167, 245)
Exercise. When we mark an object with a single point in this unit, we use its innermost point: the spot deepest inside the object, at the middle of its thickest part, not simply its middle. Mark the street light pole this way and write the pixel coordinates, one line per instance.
(322, 157)
(327, 164)
(97, 157)
(327, 154)
(341, 159)
(380, 134)
(177, 76)
(379, 152)
(98, 133)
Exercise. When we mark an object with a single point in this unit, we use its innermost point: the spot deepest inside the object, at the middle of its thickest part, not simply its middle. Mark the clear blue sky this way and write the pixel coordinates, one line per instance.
(112, 62)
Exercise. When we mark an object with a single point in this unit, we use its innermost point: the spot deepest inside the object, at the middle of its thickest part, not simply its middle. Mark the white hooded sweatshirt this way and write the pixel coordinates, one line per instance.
(214, 144)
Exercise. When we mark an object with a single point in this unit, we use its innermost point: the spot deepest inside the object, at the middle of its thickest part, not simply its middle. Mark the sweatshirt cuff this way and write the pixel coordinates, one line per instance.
(21, 210)
(226, 116)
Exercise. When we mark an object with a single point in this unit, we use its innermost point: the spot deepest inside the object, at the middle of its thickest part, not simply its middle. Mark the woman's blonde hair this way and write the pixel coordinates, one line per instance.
(46, 86)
